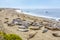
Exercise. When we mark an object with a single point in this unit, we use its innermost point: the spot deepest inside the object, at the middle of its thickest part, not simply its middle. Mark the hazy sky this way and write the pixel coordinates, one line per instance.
(30, 3)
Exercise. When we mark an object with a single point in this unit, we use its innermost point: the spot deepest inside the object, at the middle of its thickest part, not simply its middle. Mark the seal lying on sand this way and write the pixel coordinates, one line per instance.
(56, 34)
(34, 27)
(31, 35)
(54, 27)
(45, 30)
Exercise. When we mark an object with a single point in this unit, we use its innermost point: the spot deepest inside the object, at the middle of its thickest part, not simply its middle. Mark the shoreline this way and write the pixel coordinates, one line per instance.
(38, 15)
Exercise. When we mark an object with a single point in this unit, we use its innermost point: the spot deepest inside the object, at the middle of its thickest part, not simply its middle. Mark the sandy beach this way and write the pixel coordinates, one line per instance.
(7, 15)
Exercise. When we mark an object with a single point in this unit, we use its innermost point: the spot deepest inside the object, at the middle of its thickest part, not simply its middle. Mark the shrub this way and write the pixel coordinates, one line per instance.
(10, 36)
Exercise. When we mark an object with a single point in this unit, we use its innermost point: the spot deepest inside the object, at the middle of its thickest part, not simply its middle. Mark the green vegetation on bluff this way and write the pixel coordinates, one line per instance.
(4, 36)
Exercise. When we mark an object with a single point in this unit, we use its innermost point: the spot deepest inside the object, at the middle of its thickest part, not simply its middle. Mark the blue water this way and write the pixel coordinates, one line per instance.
(54, 13)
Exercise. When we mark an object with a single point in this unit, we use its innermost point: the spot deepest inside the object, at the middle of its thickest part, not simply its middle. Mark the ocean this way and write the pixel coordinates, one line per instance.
(48, 13)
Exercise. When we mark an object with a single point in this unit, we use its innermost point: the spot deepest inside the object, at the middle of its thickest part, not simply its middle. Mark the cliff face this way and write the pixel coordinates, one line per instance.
(25, 25)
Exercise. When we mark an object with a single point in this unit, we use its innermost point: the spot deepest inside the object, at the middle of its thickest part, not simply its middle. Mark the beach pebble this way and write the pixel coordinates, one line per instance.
(56, 34)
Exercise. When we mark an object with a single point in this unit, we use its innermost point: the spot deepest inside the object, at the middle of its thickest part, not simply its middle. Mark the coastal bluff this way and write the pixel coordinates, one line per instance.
(29, 27)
